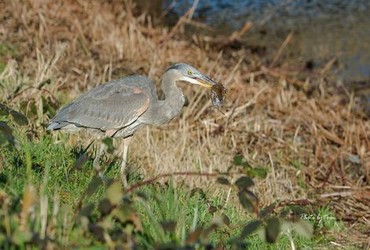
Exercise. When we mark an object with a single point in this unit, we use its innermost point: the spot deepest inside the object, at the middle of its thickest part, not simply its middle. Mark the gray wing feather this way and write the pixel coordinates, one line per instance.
(113, 105)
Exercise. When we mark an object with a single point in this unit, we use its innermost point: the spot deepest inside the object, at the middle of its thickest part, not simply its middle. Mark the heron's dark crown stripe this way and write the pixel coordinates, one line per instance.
(174, 66)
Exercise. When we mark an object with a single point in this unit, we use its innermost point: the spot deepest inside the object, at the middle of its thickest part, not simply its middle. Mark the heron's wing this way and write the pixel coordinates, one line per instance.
(109, 106)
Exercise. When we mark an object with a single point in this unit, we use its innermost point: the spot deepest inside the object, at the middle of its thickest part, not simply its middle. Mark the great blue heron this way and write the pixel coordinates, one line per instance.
(120, 107)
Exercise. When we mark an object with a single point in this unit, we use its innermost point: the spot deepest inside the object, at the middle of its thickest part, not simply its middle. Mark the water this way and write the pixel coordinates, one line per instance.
(323, 30)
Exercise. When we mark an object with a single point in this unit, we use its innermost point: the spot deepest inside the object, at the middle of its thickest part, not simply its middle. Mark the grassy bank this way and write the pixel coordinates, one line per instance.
(303, 140)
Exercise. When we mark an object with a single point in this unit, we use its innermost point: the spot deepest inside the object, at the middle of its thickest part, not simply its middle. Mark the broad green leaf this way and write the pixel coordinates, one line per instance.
(225, 219)
(19, 118)
(244, 182)
(266, 211)
(97, 231)
(257, 172)
(105, 207)
(272, 229)
(87, 210)
(248, 200)
(238, 160)
(120, 214)
(114, 193)
(95, 183)
(303, 228)
(250, 228)
(223, 181)
(6, 134)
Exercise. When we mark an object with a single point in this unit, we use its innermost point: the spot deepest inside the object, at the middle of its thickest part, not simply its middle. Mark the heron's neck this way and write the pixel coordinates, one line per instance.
(162, 111)
(174, 98)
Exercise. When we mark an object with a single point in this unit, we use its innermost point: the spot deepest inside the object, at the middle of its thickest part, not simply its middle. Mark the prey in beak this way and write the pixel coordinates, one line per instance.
(189, 74)
(218, 91)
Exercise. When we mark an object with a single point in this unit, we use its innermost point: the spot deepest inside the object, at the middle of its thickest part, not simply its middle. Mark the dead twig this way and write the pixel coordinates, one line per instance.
(281, 49)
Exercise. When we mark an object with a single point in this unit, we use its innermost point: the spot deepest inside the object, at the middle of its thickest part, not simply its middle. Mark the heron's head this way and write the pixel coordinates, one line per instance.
(187, 73)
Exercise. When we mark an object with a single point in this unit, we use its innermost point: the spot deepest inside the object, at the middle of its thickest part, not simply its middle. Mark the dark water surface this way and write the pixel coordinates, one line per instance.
(323, 29)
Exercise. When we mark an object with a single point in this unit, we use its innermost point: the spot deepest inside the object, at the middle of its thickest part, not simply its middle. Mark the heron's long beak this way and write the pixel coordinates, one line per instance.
(204, 81)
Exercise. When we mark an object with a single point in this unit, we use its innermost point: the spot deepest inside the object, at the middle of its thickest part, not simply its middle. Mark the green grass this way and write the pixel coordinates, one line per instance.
(81, 211)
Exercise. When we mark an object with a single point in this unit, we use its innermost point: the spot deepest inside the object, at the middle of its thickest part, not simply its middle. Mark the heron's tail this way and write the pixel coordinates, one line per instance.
(57, 125)
(53, 126)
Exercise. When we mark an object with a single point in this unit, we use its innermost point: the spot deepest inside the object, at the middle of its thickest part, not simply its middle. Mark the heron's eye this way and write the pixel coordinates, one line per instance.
(190, 72)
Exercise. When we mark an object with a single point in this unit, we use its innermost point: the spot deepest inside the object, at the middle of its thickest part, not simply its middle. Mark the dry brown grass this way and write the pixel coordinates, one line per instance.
(272, 118)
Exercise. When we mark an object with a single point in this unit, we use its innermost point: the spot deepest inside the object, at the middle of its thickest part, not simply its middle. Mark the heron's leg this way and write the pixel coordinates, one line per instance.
(96, 162)
(126, 143)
